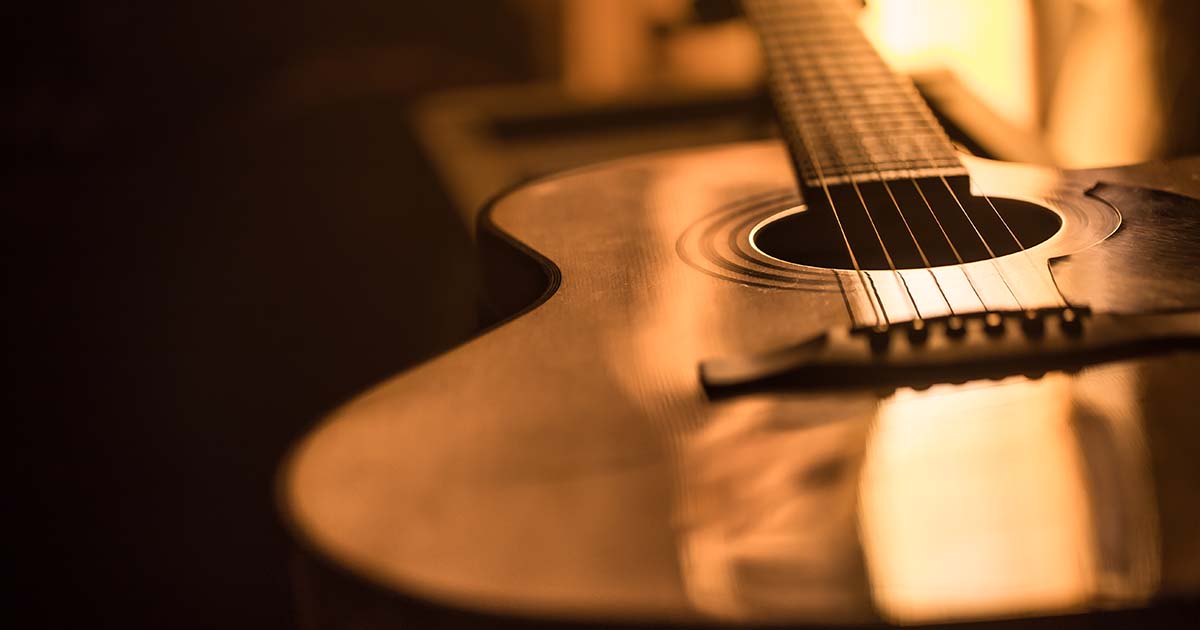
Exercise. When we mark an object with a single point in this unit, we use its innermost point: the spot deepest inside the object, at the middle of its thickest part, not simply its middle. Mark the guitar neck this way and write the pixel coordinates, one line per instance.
(846, 116)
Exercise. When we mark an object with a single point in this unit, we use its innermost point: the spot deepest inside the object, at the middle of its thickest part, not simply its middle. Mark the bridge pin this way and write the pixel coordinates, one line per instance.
(955, 326)
(879, 337)
(918, 332)
(993, 324)
(1070, 321)
(1033, 324)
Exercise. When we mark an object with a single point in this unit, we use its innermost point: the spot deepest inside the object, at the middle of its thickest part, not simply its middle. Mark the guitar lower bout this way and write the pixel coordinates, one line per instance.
(569, 466)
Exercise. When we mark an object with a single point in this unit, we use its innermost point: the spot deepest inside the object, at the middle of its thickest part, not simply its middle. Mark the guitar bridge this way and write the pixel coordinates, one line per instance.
(954, 349)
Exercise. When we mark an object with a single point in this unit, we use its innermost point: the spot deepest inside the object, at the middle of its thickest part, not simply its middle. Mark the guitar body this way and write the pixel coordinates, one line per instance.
(569, 465)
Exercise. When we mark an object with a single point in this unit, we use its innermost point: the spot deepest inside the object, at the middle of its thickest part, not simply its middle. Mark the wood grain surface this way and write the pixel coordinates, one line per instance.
(567, 464)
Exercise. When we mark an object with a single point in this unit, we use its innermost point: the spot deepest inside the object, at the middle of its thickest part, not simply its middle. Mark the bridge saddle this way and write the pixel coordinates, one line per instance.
(955, 349)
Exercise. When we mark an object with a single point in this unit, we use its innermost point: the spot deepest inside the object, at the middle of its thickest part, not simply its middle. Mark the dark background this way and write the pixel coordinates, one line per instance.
(218, 226)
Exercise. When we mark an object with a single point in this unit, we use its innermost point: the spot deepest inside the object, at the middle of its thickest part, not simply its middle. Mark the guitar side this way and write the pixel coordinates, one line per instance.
(567, 464)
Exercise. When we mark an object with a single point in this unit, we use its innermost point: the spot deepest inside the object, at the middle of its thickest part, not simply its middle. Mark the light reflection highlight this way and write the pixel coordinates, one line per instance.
(961, 502)
(971, 507)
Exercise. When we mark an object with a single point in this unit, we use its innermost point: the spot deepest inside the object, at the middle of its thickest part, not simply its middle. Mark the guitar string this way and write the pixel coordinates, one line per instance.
(913, 99)
(937, 220)
(896, 205)
(890, 140)
(920, 250)
(887, 187)
(949, 241)
(863, 152)
(843, 164)
(1062, 299)
(773, 54)
(991, 253)
(922, 111)
(1021, 246)
(986, 246)
(933, 163)
(877, 307)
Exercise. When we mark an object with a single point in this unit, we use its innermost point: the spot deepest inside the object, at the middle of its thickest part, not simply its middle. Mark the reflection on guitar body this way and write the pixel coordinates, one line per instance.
(852, 377)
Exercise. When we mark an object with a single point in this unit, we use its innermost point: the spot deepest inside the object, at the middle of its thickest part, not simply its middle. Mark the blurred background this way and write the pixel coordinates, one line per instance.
(225, 218)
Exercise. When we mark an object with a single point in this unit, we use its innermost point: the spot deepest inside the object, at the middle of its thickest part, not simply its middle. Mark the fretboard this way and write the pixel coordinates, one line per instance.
(846, 116)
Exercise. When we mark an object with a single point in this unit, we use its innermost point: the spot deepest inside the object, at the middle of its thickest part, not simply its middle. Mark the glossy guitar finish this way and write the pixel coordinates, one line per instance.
(568, 464)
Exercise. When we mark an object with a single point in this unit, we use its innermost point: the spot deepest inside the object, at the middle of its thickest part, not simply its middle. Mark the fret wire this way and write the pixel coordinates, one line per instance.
(864, 102)
(876, 150)
(867, 71)
(851, 53)
(879, 156)
(913, 119)
(861, 167)
(910, 141)
(855, 80)
(858, 159)
(907, 127)
(915, 134)
(838, 133)
(897, 117)
(887, 105)
(876, 99)
(845, 98)
(896, 124)
(898, 171)
(900, 168)
(824, 140)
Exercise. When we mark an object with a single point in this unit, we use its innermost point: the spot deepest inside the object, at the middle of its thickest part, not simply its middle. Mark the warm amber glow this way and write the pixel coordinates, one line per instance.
(974, 503)
(987, 44)
(610, 49)
(767, 516)
(1107, 108)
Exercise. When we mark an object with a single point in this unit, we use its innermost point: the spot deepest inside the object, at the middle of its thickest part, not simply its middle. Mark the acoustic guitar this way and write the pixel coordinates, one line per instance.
(855, 377)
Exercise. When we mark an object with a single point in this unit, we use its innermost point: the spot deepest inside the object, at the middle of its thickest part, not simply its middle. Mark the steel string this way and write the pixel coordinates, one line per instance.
(840, 159)
(1062, 299)
(895, 204)
(920, 107)
(777, 55)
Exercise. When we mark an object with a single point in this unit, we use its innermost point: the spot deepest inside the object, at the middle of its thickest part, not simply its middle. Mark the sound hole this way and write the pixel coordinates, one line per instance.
(946, 232)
